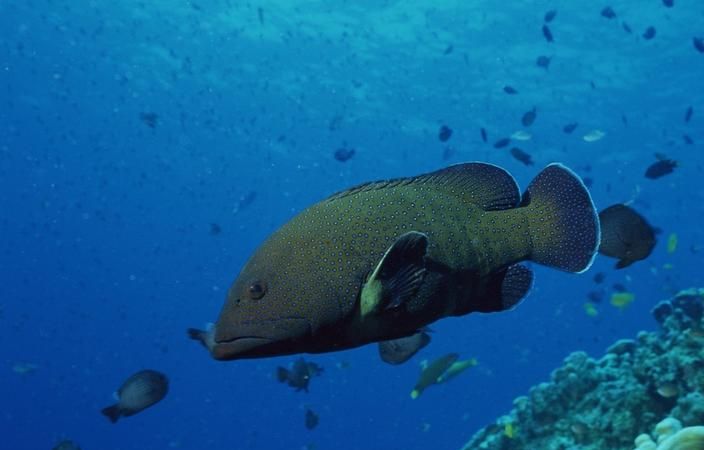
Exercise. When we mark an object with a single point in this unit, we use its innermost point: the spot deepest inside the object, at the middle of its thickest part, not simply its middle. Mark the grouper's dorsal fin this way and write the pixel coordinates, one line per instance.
(397, 277)
(485, 185)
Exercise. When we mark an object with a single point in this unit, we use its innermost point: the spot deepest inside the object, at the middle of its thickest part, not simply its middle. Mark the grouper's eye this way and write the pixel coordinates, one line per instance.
(256, 290)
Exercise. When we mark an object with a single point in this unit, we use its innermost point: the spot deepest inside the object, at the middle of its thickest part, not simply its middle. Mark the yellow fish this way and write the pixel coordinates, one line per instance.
(622, 299)
(510, 430)
(590, 309)
(672, 243)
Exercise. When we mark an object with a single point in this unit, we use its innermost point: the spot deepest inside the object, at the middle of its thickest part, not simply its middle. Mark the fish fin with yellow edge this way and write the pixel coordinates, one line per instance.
(562, 220)
(397, 276)
(505, 289)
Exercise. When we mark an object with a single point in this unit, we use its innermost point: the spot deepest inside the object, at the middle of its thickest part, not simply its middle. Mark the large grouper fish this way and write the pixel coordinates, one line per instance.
(382, 260)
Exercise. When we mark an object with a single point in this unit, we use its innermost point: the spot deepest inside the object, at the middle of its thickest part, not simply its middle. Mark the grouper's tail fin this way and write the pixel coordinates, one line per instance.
(563, 222)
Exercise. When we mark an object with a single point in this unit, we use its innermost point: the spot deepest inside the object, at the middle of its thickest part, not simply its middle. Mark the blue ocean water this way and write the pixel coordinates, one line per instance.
(128, 129)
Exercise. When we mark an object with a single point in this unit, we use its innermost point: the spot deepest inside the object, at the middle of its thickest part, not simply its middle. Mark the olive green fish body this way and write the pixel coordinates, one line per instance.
(382, 260)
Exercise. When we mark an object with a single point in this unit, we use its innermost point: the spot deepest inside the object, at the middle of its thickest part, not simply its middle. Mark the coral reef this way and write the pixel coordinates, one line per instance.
(600, 404)
(669, 435)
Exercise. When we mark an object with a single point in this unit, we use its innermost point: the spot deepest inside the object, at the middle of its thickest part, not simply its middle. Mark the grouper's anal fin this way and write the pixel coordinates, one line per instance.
(397, 277)
(504, 289)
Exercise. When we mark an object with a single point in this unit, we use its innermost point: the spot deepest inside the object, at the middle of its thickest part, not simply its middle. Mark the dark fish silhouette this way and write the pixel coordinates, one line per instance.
(444, 133)
(548, 34)
(522, 156)
(66, 445)
(550, 15)
(688, 114)
(569, 128)
(529, 117)
(649, 33)
(510, 90)
(150, 119)
(299, 375)
(599, 277)
(668, 3)
(398, 351)
(501, 143)
(344, 154)
(312, 419)
(608, 12)
(660, 168)
(140, 391)
(543, 61)
(698, 44)
(384, 259)
(482, 132)
(687, 140)
(215, 229)
(625, 235)
(595, 296)
(627, 28)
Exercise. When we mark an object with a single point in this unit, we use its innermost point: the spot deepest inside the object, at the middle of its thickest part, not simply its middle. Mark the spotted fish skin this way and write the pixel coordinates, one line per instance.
(300, 290)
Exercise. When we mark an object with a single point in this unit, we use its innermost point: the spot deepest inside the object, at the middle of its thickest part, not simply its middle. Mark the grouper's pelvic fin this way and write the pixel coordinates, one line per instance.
(504, 290)
(398, 275)
(562, 219)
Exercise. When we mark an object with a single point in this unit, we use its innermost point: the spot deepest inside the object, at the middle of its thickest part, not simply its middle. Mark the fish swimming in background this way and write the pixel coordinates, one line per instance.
(663, 166)
(398, 351)
(299, 375)
(625, 235)
(431, 373)
(382, 260)
(312, 419)
(140, 391)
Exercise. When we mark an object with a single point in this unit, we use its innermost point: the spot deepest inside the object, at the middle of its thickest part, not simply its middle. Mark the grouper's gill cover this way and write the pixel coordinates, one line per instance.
(300, 291)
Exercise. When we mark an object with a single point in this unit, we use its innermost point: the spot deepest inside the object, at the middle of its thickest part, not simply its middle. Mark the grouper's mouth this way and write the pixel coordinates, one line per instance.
(225, 349)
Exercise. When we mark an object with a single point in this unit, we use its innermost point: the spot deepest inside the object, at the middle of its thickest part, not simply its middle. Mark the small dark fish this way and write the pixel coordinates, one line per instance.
(569, 128)
(444, 133)
(260, 15)
(625, 235)
(649, 33)
(595, 296)
(448, 49)
(522, 156)
(510, 90)
(140, 391)
(501, 143)
(668, 3)
(529, 117)
(599, 277)
(627, 28)
(550, 15)
(687, 140)
(482, 131)
(215, 229)
(66, 445)
(344, 154)
(398, 351)
(624, 119)
(543, 61)
(618, 287)
(311, 419)
(299, 375)
(150, 119)
(548, 34)
(660, 168)
(688, 114)
(698, 44)
(608, 12)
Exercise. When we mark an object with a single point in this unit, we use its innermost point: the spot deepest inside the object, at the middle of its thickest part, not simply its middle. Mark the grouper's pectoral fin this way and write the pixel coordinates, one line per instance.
(397, 277)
